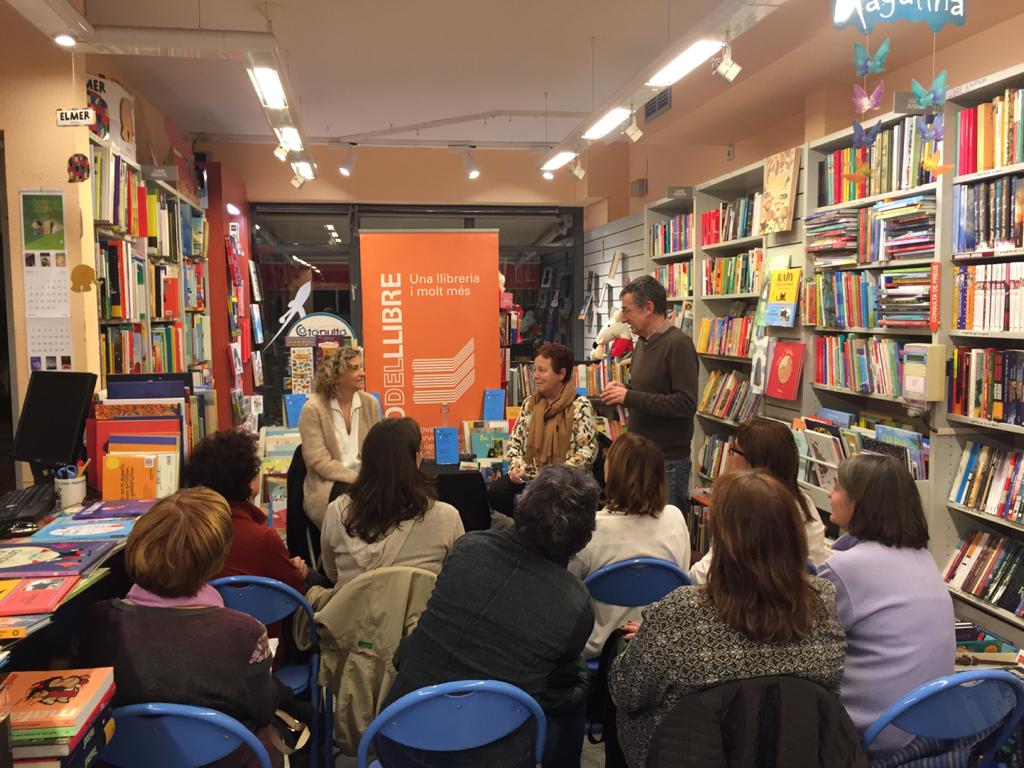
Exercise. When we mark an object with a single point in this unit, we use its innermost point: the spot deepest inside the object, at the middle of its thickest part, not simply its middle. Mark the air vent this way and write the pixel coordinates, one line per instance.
(658, 106)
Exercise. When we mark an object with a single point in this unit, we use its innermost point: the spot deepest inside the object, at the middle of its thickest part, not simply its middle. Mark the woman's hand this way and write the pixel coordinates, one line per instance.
(517, 476)
(631, 628)
(300, 566)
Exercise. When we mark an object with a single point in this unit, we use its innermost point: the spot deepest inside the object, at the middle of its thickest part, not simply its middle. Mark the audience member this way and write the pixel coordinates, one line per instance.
(769, 444)
(333, 424)
(760, 614)
(505, 608)
(891, 597)
(171, 639)
(555, 426)
(635, 522)
(228, 462)
(390, 515)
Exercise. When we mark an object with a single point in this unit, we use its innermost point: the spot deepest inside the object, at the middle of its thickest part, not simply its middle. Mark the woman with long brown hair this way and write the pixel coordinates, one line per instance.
(635, 522)
(760, 614)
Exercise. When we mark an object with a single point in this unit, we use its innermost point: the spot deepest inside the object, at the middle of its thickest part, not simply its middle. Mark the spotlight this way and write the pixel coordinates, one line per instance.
(577, 169)
(233, 209)
(349, 164)
(281, 152)
(298, 181)
(548, 175)
(633, 130)
(725, 67)
(472, 171)
(64, 40)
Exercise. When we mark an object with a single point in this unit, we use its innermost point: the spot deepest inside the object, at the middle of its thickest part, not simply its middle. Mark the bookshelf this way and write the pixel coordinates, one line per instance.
(669, 234)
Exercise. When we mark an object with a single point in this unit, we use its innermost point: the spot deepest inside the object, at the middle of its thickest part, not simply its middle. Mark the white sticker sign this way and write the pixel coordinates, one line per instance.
(77, 116)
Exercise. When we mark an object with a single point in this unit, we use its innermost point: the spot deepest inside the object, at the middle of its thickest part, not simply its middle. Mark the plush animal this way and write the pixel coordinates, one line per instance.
(616, 335)
(528, 323)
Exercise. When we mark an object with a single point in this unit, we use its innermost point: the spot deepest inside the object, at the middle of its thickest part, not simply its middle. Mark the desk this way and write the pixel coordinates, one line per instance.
(463, 489)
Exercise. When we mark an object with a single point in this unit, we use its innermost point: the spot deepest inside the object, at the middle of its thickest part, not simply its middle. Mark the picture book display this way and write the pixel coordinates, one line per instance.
(58, 702)
(785, 370)
(63, 558)
(783, 297)
(34, 596)
(69, 529)
(781, 171)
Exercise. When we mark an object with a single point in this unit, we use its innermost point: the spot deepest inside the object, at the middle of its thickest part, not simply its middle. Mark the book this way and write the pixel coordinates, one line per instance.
(743, 273)
(78, 751)
(781, 172)
(783, 297)
(129, 477)
(57, 701)
(826, 454)
(69, 529)
(784, 373)
(293, 405)
(446, 445)
(120, 508)
(17, 627)
(64, 558)
(494, 404)
(35, 596)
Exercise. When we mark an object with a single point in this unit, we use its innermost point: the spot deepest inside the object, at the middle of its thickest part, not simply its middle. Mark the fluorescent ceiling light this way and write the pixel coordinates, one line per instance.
(232, 209)
(472, 171)
(548, 175)
(304, 169)
(64, 41)
(349, 164)
(289, 138)
(685, 63)
(615, 117)
(268, 87)
(329, 227)
(558, 161)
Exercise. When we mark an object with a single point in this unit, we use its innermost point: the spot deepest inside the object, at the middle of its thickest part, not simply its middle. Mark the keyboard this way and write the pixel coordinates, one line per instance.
(32, 503)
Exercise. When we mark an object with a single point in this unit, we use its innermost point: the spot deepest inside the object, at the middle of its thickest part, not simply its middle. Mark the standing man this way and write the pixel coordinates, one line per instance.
(662, 392)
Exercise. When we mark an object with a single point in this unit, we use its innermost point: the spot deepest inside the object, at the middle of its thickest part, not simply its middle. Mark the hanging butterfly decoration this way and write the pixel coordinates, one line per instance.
(867, 64)
(865, 138)
(864, 103)
(931, 161)
(861, 175)
(931, 132)
(934, 97)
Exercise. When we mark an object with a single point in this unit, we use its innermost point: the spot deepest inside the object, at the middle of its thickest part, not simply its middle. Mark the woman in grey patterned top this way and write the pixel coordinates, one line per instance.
(760, 614)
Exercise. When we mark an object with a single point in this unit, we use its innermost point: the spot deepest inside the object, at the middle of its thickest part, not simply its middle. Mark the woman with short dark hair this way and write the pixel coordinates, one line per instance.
(760, 614)
(892, 601)
(555, 426)
(390, 515)
(635, 522)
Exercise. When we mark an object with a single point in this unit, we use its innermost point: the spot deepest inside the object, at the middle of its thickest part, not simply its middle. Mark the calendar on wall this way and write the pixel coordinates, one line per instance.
(46, 281)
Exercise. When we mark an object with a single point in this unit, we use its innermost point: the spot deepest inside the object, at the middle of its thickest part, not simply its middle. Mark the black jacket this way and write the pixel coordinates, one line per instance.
(761, 722)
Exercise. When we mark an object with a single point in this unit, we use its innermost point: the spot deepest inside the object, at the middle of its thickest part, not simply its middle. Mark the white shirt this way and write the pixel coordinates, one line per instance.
(621, 537)
(348, 442)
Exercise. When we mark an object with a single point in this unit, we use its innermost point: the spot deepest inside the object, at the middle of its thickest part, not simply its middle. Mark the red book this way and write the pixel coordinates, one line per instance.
(41, 595)
(784, 372)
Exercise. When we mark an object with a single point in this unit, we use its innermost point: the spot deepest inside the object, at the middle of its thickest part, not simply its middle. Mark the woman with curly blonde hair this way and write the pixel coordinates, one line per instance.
(333, 425)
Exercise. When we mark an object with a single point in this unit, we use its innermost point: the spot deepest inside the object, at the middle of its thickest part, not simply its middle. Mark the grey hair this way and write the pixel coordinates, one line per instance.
(645, 288)
(556, 513)
(325, 382)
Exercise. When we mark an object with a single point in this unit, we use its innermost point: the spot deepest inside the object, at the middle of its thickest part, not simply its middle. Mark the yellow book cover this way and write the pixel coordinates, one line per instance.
(129, 477)
(783, 297)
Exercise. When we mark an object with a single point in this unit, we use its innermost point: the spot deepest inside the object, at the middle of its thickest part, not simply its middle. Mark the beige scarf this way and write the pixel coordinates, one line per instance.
(550, 428)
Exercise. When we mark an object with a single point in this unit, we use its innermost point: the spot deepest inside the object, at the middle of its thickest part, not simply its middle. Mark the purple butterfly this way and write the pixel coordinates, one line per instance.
(863, 103)
(933, 132)
(865, 138)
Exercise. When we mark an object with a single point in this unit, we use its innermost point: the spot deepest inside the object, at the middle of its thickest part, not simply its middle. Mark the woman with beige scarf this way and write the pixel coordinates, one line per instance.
(556, 426)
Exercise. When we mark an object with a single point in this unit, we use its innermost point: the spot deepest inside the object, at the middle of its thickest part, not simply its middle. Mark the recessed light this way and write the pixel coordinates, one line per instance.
(64, 41)
(233, 209)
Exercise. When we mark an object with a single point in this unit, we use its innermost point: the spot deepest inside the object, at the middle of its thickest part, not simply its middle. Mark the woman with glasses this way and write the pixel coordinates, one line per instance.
(768, 444)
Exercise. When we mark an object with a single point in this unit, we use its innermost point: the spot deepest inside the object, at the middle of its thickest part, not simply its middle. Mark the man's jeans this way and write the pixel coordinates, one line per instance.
(677, 475)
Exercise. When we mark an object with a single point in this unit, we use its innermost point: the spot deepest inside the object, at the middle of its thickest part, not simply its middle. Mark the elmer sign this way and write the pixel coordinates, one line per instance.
(430, 322)
(80, 116)
(865, 14)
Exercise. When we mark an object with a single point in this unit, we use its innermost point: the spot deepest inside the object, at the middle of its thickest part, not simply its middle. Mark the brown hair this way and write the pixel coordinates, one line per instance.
(560, 357)
(338, 362)
(758, 579)
(886, 503)
(770, 444)
(635, 476)
(180, 544)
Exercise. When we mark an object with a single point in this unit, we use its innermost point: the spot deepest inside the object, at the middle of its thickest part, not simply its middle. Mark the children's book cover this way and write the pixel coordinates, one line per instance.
(67, 558)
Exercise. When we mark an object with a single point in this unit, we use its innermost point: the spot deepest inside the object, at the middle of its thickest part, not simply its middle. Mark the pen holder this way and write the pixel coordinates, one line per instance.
(69, 492)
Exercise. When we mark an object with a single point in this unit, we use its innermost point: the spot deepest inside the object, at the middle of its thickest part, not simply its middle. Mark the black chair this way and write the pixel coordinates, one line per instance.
(301, 535)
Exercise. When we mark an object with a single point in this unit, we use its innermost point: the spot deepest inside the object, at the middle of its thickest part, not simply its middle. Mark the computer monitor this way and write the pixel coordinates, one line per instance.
(53, 418)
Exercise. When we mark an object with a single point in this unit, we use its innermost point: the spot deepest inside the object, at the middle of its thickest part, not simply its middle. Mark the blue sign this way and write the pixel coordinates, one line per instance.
(865, 14)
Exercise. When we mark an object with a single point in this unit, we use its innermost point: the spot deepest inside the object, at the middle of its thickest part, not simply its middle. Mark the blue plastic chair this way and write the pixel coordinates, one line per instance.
(269, 601)
(635, 582)
(176, 736)
(956, 707)
(464, 714)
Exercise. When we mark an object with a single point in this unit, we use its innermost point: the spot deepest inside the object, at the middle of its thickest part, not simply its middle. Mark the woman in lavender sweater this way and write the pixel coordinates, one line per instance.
(892, 601)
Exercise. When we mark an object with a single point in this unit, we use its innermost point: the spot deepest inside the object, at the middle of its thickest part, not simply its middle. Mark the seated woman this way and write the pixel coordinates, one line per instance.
(555, 426)
(635, 522)
(228, 462)
(892, 600)
(333, 424)
(390, 515)
(171, 639)
(770, 444)
(760, 614)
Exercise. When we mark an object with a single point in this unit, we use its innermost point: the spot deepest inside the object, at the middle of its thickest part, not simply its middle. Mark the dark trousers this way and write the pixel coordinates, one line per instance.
(502, 495)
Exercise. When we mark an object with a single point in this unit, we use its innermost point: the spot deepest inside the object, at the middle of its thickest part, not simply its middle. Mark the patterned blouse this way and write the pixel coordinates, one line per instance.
(683, 646)
(582, 445)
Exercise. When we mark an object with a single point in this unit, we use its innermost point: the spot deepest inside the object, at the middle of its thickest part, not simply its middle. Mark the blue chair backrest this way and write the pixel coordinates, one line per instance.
(176, 736)
(957, 706)
(464, 714)
(267, 600)
(635, 582)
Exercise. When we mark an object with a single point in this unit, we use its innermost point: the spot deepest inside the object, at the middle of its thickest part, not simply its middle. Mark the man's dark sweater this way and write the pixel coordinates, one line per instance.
(499, 611)
(662, 396)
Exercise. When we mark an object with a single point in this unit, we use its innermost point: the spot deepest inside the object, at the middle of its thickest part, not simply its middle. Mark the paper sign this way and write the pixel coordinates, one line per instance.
(904, 103)
(78, 116)
(865, 14)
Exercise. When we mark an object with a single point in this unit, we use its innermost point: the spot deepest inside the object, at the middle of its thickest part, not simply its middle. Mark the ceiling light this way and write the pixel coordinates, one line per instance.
(268, 87)
(298, 181)
(281, 152)
(685, 63)
(725, 67)
(349, 164)
(232, 209)
(558, 161)
(64, 40)
(633, 131)
(548, 175)
(577, 170)
(289, 138)
(612, 120)
(304, 169)
(256, 227)
(472, 171)
(329, 227)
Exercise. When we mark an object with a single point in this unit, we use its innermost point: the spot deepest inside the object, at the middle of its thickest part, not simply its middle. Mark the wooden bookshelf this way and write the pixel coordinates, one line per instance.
(725, 358)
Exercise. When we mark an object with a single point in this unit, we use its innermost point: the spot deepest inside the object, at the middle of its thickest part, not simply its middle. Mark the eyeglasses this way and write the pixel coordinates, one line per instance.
(737, 451)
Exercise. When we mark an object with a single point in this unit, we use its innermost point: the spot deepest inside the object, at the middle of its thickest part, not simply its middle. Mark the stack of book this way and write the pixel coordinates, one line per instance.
(988, 215)
(990, 567)
(859, 364)
(991, 135)
(729, 336)
(989, 297)
(728, 396)
(673, 236)
(732, 221)
(60, 717)
(987, 384)
(988, 481)
(713, 456)
(677, 278)
(901, 229)
(903, 297)
(834, 237)
(734, 274)
(846, 299)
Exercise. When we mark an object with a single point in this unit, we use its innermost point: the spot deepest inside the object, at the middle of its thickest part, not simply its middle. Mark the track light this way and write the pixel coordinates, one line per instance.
(268, 87)
(632, 130)
(577, 169)
(305, 169)
(611, 120)
(232, 209)
(548, 175)
(472, 171)
(725, 67)
(281, 152)
(685, 63)
(64, 40)
(349, 164)
(298, 181)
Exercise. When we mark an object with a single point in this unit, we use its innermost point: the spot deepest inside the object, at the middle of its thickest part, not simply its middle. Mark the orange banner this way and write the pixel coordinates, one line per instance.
(430, 323)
